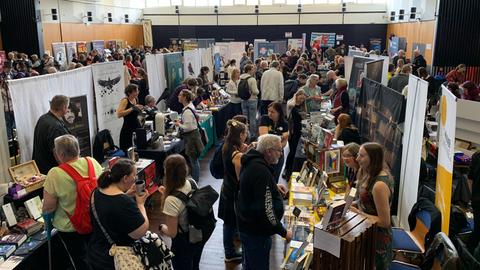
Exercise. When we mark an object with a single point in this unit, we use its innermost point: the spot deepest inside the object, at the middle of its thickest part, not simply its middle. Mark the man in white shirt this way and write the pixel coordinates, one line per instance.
(271, 86)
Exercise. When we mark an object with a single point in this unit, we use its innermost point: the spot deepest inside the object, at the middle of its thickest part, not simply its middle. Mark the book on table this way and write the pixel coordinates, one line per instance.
(14, 239)
(6, 250)
(334, 214)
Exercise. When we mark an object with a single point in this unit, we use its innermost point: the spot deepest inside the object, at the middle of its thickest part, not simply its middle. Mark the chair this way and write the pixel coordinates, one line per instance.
(467, 261)
(398, 265)
(412, 241)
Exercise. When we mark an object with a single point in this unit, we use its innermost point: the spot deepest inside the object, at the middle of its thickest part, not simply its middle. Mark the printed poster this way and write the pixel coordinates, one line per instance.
(236, 50)
(263, 49)
(76, 120)
(173, 70)
(295, 43)
(60, 54)
(82, 47)
(71, 50)
(332, 161)
(221, 55)
(109, 88)
(446, 149)
(374, 70)
(322, 40)
(98, 45)
(112, 45)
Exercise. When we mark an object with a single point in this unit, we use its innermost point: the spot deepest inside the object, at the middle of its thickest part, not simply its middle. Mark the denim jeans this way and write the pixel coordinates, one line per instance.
(195, 173)
(256, 251)
(187, 255)
(249, 109)
(264, 106)
(228, 239)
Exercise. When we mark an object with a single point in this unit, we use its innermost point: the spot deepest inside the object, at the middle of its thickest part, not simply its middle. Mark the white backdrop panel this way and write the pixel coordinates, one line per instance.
(412, 147)
(156, 74)
(31, 99)
(109, 90)
(207, 60)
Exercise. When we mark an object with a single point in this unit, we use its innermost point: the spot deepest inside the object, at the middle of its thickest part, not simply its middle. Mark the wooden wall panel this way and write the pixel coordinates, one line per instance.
(415, 32)
(131, 33)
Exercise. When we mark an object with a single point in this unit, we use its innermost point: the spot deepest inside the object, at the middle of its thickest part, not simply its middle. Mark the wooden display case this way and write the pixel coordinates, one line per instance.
(22, 173)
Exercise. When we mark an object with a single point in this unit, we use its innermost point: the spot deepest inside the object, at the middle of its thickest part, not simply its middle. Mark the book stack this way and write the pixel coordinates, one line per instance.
(11, 263)
(303, 199)
(14, 239)
(29, 226)
(6, 251)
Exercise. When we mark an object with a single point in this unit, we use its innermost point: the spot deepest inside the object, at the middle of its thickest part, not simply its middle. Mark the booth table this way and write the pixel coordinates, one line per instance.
(160, 154)
(208, 124)
(221, 116)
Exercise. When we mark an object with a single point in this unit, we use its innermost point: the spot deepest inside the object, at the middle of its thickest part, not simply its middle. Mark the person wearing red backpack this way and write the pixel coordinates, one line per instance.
(67, 192)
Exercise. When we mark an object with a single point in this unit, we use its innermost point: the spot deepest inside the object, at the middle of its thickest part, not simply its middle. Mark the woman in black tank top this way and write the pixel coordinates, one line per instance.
(129, 110)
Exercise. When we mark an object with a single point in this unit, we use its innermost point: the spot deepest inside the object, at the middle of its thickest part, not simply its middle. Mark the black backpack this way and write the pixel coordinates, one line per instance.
(244, 89)
(216, 164)
(199, 204)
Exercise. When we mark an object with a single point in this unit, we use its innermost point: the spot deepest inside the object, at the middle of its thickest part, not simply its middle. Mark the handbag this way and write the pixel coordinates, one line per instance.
(150, 252)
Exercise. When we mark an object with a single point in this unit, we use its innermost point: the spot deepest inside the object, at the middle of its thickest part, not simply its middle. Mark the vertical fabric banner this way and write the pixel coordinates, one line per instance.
(446, 146)
(71, 50)
(31, 96)
(207, 61)
(147, 33)
(236, 51)
(60, 55)
(98, 45)
(173, 70)
(82, 47)
(109, 88)
(412, 147)
(189, 64)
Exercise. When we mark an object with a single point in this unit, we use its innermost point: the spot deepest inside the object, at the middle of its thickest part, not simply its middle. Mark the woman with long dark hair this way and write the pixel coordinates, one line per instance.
(346, 131)
(128, 109)
(375, 187)
(232, 151)
(142, 85)
(125, 220)
(274, 123)
(187, 255)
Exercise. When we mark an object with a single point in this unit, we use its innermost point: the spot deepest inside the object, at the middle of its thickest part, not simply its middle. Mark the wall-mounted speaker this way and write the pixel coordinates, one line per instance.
(401, 14)
(299, 8)
(256, 9)
(413, 13)
(344, 7)
(54, 14)
(126, 18)
(176, 10)
(89, 16)
(392, 16)
(109, 17)
(215, 9)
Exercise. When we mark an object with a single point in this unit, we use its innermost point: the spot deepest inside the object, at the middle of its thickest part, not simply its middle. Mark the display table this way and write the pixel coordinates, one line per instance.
(221, 115)
(208, 124)
(159, 154)
(353, 240)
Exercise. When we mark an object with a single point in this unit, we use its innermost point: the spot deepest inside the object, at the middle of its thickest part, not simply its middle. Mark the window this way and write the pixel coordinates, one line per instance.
(266, 2)
(252, 2)
(293, 2)
(188, 3)
(202, 3)
(279, 1)
(239, 2)
(175, 2)
(226, 2)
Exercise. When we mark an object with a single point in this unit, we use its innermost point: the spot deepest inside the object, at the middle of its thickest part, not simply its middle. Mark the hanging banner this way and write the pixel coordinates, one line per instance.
(221, 55)
(31, 99)
(322, 40)
(304, 41)
(446, 149)
(280, 46)
(82, 47)
(109, 90)
(76, 120)
(60, 54)
(173, 70)
(112, 45)
(192, 62)
(412, 147)
(99, 45)
(156, 74)
(263, 49)
(295, 43)
(236, 50)
(71, 50)
(147, 33)
(207, 61)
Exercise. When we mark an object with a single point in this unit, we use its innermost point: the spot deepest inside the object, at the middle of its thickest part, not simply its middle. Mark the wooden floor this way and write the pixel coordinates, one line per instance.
(213, 254)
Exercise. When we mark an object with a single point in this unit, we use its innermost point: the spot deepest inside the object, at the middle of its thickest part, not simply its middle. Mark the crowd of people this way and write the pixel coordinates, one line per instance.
(282, 90)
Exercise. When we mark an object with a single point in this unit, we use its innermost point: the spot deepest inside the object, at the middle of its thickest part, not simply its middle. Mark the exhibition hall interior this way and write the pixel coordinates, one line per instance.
(239, 134)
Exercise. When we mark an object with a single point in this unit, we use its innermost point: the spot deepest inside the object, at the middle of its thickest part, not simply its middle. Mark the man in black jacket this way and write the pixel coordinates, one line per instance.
(418, 62)
(260, 203)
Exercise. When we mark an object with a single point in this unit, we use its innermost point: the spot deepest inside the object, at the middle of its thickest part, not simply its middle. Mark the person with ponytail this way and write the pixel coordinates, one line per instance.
(341, 100)
(232, 152)
(123, 217)
(187, 255)
(190, 133)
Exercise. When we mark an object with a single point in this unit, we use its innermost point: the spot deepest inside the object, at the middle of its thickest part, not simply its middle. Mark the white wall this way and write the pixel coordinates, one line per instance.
(269, 15)
(73, 11)
(426, 9)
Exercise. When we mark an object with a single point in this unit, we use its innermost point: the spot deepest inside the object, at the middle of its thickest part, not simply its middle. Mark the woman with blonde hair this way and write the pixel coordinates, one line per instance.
(232, 90)
(190, 133)
(345, 130)
(296, 112)
(375, 188)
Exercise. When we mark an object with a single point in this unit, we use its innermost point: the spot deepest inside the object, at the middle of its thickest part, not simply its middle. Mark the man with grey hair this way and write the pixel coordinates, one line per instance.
(60, 195)
(260, 204)
(49, 126)
(399, 81)
(271, 87)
